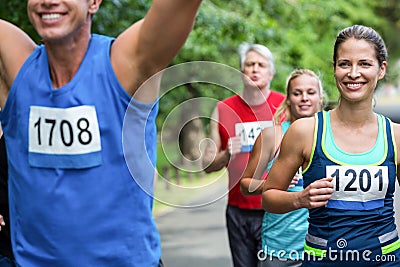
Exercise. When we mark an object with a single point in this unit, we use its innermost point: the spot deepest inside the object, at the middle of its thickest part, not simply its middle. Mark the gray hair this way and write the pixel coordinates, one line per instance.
(244, 48)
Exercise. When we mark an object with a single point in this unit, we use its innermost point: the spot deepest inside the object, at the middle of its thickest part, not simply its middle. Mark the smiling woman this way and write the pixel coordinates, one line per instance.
(348, 158)
(283, 234)
(357, 71)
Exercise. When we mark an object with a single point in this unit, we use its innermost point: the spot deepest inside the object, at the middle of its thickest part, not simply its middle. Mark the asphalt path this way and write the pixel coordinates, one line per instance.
(392, 111)
(397, 207)
(196, 236)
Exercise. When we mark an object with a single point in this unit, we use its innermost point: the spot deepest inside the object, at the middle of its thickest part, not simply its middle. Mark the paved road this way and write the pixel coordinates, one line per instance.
(397, 206)
(195, 237)
(391, 110)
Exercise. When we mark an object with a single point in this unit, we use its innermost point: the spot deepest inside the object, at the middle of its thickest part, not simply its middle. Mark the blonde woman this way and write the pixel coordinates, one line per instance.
(283, 234)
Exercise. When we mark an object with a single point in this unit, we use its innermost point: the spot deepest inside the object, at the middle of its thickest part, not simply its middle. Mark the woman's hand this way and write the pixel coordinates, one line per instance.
(317, 193)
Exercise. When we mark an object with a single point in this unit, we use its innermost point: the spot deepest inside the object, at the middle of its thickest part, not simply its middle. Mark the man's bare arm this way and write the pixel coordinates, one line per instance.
(149, 45)
(214, 159)
(15, 47)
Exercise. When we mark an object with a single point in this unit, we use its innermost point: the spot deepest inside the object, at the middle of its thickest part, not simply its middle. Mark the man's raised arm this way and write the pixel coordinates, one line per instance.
(149, 45)
(15, 47)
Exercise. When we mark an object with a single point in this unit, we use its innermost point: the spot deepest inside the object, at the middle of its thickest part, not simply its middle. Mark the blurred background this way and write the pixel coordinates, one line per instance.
(300, 34)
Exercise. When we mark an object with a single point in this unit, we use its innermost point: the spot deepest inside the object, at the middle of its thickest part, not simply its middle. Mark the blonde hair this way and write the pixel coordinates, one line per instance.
(283, 112)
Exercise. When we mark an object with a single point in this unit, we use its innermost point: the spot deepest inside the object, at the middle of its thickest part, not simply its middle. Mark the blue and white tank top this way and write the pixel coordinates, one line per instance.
(356, 227)
(73, 200)
(283, 235)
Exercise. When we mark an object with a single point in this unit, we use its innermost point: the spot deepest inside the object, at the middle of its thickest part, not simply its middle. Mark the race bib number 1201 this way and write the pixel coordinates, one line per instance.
(64, 137)
(358, 187)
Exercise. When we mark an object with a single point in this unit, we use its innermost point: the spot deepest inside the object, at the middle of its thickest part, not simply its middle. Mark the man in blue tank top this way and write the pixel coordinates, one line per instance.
(77, 196)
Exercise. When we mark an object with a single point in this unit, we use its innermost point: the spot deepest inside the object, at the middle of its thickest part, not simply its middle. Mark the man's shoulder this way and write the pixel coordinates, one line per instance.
(232, 99)
(275, 98)
(276, 94)
(231, 103)
(101, 38)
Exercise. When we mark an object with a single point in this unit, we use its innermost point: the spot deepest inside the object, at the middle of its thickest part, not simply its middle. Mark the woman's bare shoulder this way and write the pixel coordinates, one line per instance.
(303, 125)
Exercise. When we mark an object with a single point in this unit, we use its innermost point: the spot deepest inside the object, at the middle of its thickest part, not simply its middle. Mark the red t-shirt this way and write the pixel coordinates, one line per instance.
(236, 117)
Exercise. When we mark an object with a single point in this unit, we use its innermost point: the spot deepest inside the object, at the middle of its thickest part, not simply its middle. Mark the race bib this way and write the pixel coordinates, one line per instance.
(64, 138)
(358, 187)
(299, 174)
(249, 131)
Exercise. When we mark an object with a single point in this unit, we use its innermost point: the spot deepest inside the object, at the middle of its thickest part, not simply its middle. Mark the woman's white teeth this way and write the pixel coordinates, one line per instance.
(354, 85)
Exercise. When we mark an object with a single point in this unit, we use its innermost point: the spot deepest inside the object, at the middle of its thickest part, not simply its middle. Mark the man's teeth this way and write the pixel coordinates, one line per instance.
(51, 16)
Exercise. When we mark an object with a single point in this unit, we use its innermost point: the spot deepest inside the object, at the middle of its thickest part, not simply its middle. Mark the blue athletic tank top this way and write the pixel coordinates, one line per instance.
(283, 235)
(356, 227)
(73, 200)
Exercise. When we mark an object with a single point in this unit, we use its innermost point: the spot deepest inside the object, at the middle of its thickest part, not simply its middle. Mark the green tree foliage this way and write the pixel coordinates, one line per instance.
(300, 33)
(15, 12)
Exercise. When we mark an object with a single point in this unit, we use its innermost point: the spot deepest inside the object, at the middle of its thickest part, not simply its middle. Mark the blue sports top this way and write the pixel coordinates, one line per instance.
(358, 220)
(73, 199)
(283, 235)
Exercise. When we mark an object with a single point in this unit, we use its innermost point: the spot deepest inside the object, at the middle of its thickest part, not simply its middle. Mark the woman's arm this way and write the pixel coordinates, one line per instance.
(251, 182)
(295, 151)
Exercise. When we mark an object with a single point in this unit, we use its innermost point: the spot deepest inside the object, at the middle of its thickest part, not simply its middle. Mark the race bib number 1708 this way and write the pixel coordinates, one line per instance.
(56, 135)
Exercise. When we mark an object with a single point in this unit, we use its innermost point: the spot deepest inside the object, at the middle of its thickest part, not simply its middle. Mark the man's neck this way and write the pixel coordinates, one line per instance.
(66, 57)
(255, 96)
